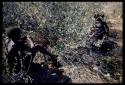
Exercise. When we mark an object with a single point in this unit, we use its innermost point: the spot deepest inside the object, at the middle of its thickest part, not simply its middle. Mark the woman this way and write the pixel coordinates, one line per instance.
(23, 45)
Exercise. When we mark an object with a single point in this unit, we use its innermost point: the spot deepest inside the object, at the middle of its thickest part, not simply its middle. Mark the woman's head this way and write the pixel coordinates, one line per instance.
(99, 16)
(14, 33)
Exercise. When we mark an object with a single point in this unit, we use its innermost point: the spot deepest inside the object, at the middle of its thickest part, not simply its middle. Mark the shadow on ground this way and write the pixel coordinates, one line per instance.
(38, 73)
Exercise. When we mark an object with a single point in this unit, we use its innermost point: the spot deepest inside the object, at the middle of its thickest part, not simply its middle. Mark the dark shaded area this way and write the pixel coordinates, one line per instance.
(38, 73)
(45, 75)
(115, 33)
(106, 48)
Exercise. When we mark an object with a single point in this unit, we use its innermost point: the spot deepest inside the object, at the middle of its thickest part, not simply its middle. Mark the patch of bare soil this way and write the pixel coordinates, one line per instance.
(82, 74)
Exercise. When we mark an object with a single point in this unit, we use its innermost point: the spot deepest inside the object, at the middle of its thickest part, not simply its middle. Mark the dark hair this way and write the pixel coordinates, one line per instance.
(96, 16)
(14, 33)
